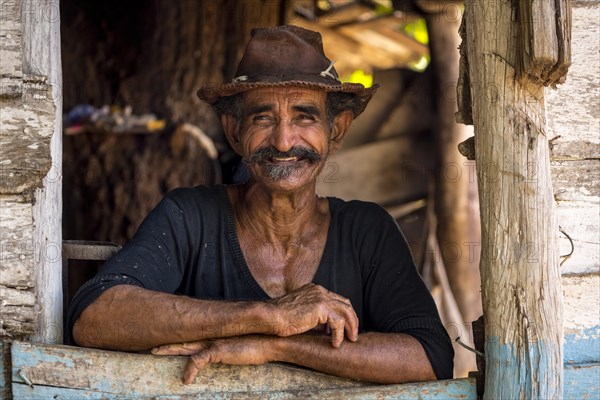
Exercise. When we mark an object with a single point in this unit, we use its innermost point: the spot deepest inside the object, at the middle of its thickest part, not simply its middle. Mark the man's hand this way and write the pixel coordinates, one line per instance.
(312, 305)
(242, 350)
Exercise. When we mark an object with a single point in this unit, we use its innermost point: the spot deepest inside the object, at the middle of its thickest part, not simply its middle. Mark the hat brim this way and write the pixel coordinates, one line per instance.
(211, 94)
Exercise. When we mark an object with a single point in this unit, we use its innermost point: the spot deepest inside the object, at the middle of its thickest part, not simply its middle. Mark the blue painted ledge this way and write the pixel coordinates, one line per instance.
(582, 347)
(582, 382)
(74, 373)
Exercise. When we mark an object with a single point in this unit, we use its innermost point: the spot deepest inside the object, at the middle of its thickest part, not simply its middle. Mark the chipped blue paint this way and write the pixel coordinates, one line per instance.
(582, 382)
(514, 370)
(32, 357)
(463, 389)
(583, 347)
(75, 373)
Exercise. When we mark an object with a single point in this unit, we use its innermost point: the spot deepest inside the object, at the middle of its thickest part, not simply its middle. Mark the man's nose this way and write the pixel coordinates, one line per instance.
(284, 136)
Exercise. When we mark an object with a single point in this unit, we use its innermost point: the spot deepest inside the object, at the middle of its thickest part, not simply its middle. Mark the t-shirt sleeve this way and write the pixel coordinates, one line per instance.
(154, 259)
(395, 297)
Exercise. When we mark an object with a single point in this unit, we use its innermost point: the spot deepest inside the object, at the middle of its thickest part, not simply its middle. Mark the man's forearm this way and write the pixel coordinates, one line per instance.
(375, 357)
(128, 317)
(131, 318)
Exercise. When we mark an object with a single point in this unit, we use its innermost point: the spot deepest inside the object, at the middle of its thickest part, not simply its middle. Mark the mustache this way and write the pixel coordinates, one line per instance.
(266, 153)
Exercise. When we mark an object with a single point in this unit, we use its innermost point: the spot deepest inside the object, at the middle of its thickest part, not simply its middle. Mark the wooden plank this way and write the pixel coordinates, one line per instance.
(577, 180)
(17, 322)
(17, 255)
(10, 15)
(89, 250)
(16, 241)
(545, 40)
(87, 372)
(360, 49)
(385, 172)
(41, 57)
(583, 346)
(11, 72)
(577, 192)
(391, 39)
(572, 124)
(582, 382)
(521, 285)
(25, 131)
(16, 297)
(450, 389)
(126, 373)
(572, 108)
(579, 220)
(580, 322)
(573, 146)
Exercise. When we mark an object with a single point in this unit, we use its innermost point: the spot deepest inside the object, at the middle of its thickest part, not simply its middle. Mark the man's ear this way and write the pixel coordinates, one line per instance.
(340, 128)
(230, 125)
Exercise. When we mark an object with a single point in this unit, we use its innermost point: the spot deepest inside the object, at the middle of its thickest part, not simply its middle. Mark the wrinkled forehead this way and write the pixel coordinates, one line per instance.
(291, 95)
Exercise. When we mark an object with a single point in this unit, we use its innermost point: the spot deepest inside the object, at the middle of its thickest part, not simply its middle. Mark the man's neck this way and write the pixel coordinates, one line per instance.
(278, 216)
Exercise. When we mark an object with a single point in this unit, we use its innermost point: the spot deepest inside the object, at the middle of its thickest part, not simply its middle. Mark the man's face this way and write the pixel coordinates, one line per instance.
(284, 135)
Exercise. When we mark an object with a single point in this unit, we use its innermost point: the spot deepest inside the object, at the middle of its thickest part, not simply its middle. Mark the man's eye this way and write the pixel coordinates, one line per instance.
(305, 119)
(262, 120)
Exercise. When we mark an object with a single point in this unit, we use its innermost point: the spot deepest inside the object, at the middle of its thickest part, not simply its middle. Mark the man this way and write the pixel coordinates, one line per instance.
(268, 271)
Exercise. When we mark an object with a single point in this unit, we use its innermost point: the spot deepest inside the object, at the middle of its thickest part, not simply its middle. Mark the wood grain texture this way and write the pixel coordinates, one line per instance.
(25, 133)
(579, 220)
(42, 60)
(72, 372)
(30, 137)
(451, 389)
(573, 124)
(580, 321)
(11, 71)
(42, 54)
(521, 285)
(582, 382)
(17, 256)
(16, 241)
(545, 36)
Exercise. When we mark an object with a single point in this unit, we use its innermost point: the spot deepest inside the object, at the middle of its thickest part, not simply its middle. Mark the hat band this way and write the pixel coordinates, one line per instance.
(324, 77)
(327, 72)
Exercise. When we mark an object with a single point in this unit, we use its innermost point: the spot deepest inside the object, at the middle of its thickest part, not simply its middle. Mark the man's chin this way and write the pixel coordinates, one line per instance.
(289, 176)
(276, 172)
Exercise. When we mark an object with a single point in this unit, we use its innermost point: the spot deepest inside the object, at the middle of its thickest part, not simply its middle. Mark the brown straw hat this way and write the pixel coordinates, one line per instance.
(285, 56)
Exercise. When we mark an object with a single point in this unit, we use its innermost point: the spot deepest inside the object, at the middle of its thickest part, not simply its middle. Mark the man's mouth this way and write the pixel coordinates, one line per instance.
(285, 159)
(270, 155)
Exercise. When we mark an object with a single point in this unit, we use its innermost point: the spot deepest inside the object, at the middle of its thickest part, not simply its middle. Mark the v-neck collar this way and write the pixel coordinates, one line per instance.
(238, 255)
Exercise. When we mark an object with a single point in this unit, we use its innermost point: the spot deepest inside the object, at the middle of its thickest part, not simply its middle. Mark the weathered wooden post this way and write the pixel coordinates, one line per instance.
(30, 171)
(511, 50)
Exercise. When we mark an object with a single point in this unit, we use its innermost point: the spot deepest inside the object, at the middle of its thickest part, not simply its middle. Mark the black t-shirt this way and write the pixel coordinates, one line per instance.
(188, 245)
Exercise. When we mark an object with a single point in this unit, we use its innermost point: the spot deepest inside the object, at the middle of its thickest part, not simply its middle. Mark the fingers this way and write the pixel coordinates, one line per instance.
(336, 327)
(311, 305)
(350, 322)
(194, 365)
(178, 349)
(346, 313)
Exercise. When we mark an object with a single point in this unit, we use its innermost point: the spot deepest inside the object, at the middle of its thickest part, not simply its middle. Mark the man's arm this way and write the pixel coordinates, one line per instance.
(127, 317)
(375, 357)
